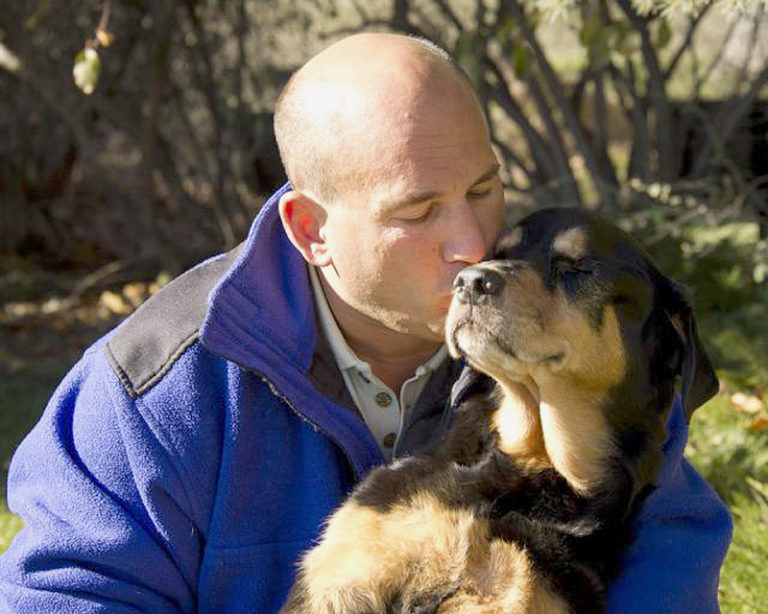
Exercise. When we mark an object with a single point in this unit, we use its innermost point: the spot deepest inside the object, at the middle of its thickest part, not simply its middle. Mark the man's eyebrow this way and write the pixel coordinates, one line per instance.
(489, 174)
(425, 195)
(412, 199)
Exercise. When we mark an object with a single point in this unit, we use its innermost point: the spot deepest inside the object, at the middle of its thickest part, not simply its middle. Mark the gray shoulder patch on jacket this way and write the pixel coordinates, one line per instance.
(150, 341)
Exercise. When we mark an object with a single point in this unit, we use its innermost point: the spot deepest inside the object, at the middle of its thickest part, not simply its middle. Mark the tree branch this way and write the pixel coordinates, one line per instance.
(656, 95)
(537, 146)
(604, 183)
(728, 121)
(693, 24)
(717, 58)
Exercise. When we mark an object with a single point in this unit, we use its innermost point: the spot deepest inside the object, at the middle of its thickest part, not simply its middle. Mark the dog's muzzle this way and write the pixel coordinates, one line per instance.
(477, 284)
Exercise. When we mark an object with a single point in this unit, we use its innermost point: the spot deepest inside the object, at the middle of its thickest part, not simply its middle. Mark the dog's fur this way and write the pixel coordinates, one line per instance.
(577, 341)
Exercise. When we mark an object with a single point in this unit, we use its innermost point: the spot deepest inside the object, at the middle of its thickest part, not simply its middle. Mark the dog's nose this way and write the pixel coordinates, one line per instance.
(475, 284)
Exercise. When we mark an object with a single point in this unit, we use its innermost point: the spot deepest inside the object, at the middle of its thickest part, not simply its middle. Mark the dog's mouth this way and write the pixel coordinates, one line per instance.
(499, 350)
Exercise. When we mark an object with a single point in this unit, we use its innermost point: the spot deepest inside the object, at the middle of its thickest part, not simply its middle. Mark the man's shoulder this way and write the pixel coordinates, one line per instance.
(143, 349)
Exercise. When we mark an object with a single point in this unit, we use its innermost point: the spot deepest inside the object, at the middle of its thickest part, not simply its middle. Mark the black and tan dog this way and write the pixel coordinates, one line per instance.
(578, 341)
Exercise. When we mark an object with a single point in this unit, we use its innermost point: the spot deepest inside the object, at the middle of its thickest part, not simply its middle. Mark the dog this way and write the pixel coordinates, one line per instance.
(576, 343)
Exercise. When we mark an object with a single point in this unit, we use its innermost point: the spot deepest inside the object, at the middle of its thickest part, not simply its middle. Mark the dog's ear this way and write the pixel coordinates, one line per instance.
(699, 381)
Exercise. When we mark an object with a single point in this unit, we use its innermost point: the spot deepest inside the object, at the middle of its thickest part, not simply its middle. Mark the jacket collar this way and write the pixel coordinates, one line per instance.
(264, 303)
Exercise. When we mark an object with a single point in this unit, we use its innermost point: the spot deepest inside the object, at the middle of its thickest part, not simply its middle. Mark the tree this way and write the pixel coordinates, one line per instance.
(644, 103)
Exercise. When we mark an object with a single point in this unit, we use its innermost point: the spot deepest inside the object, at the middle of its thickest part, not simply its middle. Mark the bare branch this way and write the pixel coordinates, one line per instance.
(512, 155)
(693, 24)
(657, 97)
(728, 121)
(602, 182)
(446, 10)
(639, 161)
(556, 145)
(742, 74)
(718, 57)
(536, 144)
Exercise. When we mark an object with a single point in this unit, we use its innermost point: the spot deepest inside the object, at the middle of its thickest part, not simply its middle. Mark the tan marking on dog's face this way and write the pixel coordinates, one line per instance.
(572, 243)
(596, 359)
(511, 239)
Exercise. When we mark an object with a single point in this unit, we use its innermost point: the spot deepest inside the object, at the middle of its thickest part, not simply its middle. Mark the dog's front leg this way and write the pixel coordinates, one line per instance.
(393, 540)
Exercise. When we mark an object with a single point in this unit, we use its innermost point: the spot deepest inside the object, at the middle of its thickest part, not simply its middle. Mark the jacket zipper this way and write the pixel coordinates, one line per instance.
(274, 390)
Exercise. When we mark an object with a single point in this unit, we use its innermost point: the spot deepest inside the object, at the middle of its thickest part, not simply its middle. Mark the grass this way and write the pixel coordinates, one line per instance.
(734, 459)
(23, 395)
(9, 526)
(35, 352)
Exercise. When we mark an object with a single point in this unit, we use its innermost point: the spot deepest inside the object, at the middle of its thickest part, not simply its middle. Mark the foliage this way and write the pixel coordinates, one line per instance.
(646, 7)
(86, 70)
(179, 125)
(185, 93)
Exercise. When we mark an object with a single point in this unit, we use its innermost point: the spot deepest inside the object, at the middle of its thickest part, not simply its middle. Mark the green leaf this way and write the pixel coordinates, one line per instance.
(469, 54)
(760, 273)
(627, 38)
(506, 29)
(86, 70)
(664, 35)
(521, 61)
(600, 51)
(590, 30)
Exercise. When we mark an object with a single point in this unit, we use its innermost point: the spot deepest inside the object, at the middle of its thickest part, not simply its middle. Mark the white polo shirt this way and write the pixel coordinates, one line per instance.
(384, 411)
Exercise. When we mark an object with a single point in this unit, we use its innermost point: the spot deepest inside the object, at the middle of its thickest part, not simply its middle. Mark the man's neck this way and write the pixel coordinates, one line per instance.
(392, 355)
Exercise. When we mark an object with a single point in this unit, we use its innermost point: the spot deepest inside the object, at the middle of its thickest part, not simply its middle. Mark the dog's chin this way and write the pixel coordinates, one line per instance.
(484, 353)
(497, 357)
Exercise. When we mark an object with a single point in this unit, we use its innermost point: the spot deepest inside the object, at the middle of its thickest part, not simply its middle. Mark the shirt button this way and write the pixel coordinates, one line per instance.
(383, 399)
(389, 440)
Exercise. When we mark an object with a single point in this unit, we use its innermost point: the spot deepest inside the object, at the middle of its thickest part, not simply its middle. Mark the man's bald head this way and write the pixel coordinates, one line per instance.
(365, 87)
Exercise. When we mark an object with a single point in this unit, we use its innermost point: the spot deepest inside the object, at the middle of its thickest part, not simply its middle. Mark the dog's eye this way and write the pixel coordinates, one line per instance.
(622, 299)
(563, 265)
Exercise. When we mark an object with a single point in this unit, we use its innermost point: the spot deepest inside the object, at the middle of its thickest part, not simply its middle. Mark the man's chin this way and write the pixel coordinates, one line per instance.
(433, 330)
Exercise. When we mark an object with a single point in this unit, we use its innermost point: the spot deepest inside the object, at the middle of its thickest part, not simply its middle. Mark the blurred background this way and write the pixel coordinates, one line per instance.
(136, 140)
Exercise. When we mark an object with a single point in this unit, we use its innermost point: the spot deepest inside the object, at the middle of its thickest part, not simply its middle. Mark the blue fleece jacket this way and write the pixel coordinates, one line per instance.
(182, 467)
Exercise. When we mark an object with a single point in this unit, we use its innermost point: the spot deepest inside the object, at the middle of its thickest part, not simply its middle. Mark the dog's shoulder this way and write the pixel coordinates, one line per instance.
(472, 435)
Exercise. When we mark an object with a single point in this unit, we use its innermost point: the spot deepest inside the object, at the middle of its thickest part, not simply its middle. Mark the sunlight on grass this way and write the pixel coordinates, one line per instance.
(743, 588)
(734, 459)
(9, 526)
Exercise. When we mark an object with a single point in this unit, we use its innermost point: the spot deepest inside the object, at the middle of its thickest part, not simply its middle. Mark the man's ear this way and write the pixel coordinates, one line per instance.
(699, 380)
(303, 219)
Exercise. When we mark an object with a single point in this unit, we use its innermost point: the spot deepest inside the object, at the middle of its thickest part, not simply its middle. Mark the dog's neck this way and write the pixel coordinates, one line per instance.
(563, 427)
(556, 427)
(518, 424)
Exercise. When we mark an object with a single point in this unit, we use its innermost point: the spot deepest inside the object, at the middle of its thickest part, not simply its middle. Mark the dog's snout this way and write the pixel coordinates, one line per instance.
(474, 284)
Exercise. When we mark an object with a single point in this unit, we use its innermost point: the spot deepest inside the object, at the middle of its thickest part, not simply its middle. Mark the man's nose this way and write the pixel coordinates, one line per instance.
(467, 241)
(475, 285)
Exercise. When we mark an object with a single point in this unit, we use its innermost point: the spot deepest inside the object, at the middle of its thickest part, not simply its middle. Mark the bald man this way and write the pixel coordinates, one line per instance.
(191, 456)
